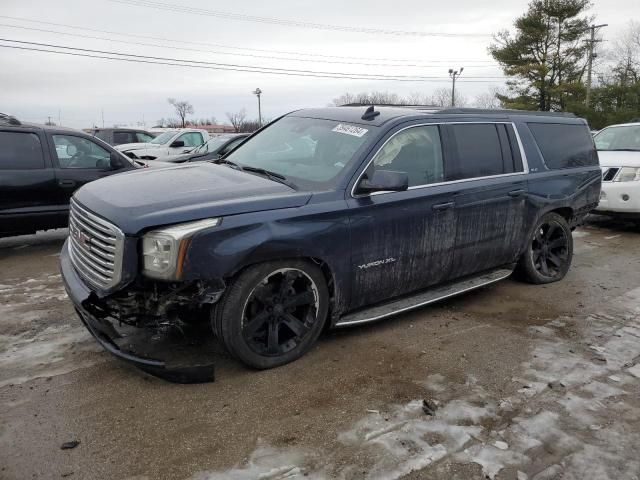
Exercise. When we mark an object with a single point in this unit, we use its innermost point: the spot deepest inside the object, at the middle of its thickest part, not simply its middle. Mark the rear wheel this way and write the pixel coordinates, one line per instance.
(549, 251)
(273, 312)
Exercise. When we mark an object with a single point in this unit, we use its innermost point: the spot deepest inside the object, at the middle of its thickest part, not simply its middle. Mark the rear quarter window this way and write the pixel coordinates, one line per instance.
(20, 151)
(564, 145)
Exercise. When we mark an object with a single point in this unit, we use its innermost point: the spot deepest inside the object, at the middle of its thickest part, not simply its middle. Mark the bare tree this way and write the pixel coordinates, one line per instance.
(237, 119)
(183, 108)
(490, 99)
(441, 97)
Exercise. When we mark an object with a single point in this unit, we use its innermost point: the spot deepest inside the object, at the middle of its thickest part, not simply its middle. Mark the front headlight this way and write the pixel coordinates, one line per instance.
(628, 174)
(163, 250)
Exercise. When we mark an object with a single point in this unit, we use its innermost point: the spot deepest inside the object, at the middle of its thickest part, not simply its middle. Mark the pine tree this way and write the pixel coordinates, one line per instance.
(547, 55)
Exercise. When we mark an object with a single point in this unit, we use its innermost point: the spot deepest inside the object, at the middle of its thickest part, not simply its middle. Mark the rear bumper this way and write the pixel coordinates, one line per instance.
(106, 334)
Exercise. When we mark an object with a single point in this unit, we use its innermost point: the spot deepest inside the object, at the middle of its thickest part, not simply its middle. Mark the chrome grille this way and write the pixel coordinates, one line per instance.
(95, 247)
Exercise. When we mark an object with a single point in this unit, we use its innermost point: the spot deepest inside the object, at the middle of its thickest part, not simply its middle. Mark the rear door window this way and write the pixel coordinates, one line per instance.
(564, 145)
(416, 151)
(20, 151)
(479, 152)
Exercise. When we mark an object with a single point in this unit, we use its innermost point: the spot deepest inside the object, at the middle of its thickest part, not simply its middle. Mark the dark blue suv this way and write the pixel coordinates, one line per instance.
(329, 217)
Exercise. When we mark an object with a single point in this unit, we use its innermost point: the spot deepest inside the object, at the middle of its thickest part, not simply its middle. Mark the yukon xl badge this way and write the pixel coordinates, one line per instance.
(377, 263)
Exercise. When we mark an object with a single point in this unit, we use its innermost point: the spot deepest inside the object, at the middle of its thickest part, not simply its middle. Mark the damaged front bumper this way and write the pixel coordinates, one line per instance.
(105, 331)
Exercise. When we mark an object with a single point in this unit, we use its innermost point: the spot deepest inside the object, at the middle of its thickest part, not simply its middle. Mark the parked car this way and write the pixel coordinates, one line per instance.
(215, 148)
(383, 210)
(41, 167)
(170, 143)
(119, 136)
(619, 151)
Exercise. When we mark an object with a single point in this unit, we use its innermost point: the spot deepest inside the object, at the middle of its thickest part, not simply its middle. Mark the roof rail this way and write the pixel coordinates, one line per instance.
(394, 105)
(483, 111)
(8, 120)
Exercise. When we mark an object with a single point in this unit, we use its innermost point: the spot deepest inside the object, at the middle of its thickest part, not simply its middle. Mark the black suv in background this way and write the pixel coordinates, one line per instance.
(334, 216)
(119, 136)
(41, 167)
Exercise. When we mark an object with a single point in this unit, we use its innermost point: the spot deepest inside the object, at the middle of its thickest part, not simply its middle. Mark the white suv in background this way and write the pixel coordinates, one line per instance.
(167, 144)
(619, 151)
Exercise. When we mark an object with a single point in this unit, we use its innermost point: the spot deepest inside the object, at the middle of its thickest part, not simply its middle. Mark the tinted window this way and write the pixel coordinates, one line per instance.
(123, 137)
(417, 152)
(564, 146)
(79, 152)
(233, 144)
(20, 151)
(479, 152)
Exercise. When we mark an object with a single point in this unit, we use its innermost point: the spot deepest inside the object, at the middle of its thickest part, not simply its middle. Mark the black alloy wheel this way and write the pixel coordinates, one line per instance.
(280, 312)
(273, 312)
(549, 251)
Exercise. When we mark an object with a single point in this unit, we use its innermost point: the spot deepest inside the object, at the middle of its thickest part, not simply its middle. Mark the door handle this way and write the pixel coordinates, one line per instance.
(516, 193)
(67, 183)
(443, 206)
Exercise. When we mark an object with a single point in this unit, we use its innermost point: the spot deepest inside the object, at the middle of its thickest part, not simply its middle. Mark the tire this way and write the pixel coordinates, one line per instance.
(549, 251)
(273, 312)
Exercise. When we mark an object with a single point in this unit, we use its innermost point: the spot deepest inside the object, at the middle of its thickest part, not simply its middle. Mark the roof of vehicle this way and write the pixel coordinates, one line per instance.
(363, 114)
(125, 129)
(630, 124)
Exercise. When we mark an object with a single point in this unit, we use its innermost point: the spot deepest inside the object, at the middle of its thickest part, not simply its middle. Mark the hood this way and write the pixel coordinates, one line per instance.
(619, 159)
(135, 146)
(154, 197)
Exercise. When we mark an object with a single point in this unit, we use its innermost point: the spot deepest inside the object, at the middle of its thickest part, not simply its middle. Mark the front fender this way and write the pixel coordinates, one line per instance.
(244, 240)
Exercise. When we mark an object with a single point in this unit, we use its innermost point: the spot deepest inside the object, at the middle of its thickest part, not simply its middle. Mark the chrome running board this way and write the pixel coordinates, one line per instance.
(421, 299)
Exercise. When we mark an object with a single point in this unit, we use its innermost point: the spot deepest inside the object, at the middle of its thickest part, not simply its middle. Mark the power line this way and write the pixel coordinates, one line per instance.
(237, 66)
(232, 47)
(190, 65)
(269, 57)
(287, 22)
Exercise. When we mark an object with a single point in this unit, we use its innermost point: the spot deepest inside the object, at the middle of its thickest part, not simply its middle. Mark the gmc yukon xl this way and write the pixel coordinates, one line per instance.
(329, 217)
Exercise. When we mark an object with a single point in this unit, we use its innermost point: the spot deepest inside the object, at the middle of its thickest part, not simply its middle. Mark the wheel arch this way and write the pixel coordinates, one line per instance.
(335, 291)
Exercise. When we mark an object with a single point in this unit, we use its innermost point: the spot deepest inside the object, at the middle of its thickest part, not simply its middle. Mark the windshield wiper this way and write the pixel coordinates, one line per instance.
(623, 150)
(219, 161)
(276, 177)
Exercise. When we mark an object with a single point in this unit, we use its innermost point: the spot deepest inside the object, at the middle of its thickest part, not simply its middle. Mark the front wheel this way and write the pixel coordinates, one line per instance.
(549, 251)
(273, 312)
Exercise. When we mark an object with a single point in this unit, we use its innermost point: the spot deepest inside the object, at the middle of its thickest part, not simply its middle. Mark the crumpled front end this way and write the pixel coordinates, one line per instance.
(151, 325)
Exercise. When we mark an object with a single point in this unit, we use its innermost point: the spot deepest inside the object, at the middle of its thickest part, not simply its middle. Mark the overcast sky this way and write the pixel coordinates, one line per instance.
(35, 85)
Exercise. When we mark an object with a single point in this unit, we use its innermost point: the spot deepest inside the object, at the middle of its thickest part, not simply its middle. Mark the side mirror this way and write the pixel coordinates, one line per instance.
(115, 161)
(177, 144)
(384, 181)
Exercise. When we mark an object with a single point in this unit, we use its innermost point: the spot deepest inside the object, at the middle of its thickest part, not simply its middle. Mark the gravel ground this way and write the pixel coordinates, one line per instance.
(527, 382)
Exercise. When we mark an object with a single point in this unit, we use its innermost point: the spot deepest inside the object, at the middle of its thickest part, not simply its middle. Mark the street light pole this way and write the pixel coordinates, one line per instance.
(257, 92)
(592, 41)
(454, 74)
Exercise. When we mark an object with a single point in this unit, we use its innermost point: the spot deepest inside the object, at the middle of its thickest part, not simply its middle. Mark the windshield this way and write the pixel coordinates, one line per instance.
(306, 150)
(163, 138)
(619, 138)
(212, 145)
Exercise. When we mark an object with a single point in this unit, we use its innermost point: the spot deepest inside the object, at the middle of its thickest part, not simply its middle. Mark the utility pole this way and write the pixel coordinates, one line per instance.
(454, 74)
(102, 113)
(257, 92)
(592, 41)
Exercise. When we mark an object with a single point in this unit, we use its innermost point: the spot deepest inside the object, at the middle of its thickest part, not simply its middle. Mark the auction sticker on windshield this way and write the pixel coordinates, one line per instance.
(350, 130)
